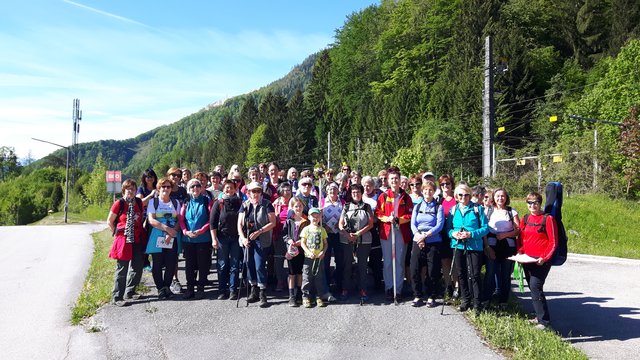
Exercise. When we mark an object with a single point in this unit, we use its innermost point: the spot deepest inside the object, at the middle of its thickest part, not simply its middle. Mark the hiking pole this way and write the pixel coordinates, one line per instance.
(243, 274)
(453, 262)
(393, 256)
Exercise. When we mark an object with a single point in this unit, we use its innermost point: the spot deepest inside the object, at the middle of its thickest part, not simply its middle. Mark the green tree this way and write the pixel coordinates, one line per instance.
(96, 188)
(259, 150)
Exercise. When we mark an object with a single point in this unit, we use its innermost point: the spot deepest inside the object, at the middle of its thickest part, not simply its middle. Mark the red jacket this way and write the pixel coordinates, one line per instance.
(386, 207)
(120, 250)
(535, 243)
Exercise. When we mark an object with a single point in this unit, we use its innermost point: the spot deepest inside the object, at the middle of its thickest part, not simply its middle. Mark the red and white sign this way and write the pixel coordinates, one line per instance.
(114, 176)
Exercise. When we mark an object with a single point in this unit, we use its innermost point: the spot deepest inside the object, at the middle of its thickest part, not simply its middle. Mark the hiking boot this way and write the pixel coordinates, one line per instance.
(417, 302)
(321, 302)
(263, 298)
(132, 296)
(292, 301)
(233, 295)
(306, 302)
(200, 293)
(163, 293)
(223, 295)
(253, 297)
(431, 303)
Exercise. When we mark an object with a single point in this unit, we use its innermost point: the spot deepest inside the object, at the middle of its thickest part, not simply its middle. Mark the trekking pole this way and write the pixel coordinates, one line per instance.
(393, 257)
(453, 262)
(243, 274)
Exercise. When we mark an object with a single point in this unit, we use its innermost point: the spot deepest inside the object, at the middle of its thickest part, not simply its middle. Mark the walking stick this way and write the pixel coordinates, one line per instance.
(393, 257)
(245, 259)
(453, 262)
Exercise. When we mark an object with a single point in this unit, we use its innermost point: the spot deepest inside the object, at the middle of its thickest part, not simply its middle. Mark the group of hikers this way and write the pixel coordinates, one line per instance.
(285, 228)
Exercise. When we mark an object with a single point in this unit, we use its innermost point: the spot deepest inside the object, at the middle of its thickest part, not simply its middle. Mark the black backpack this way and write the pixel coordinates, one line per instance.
(121, 203)
(553, 207)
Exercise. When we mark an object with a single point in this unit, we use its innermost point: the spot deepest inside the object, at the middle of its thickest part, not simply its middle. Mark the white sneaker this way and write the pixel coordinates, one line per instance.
(175, 287)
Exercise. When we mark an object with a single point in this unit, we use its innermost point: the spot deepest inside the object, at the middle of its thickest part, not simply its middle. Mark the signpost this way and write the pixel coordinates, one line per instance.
(114, 182)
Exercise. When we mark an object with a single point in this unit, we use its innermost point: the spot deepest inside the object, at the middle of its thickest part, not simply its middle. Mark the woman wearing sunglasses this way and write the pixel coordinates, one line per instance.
(538, 239)
(448, 201)
(467, 225)
(196, 241)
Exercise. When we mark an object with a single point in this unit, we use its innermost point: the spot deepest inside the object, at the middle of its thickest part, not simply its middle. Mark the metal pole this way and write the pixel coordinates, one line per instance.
(595, 158)
(329, 150)
(539, 172)
(487, 113)
(66, 192)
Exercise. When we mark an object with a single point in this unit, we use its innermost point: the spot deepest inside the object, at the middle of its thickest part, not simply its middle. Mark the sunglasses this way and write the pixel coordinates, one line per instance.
(305, 184)
(383, 178)
(463, 195)
(195, 186)
(415, 184)
(176, 174)
(445, 184)
(533, 202)
(487, 197)
(166, 187)
(256, 191)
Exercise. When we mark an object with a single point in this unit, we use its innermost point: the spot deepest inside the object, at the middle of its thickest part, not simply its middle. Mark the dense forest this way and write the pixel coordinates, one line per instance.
(402, 84)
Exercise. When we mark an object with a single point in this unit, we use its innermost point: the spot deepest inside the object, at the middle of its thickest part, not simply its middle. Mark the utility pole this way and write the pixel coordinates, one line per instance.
(77, 116)
(488, 115)
(329, 150)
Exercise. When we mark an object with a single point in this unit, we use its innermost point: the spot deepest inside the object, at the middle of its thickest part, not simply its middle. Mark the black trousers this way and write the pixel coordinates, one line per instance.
(197, 258)
(468, 265)
(536, 276)
(428, 256)
(168, 259)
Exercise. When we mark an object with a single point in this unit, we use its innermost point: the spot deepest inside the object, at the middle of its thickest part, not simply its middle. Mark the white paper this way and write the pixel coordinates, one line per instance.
(160, 242)
(523, 258)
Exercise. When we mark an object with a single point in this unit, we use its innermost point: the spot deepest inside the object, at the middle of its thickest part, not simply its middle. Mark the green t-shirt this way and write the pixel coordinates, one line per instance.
(313, 237)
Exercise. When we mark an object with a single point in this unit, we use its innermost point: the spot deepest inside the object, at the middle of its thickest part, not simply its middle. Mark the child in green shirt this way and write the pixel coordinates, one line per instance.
(313, 240)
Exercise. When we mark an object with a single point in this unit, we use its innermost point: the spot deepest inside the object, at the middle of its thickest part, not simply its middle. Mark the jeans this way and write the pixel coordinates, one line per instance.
(279, 248)
(498, 270)
(388, 262)
(428, 256)
(362, 253)
(228, 262)
(468, 267)
(312, 277)
(333, 249)
(536, 275)
(256, 264)
(197, 258)
(168, 259)
(375, 256)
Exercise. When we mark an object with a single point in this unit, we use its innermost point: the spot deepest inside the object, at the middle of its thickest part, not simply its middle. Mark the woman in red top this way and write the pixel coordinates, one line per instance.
(125, 221)
(538, 239)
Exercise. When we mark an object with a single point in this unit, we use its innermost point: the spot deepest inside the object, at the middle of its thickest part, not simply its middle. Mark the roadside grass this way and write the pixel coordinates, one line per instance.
(99, 281)
(597, 225)
(88, 214)
(510, 332)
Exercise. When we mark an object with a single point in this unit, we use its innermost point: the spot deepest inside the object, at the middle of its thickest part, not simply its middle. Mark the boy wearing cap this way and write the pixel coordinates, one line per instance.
(313, 240)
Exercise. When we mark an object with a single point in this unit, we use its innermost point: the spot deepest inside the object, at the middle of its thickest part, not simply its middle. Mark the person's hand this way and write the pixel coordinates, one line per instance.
(465, 235)
(215, 243)
(385, 219)
(153, 193)
(352, 237)
(172, 232)
(540, 261)
(421, 244)
(309, 254)
(321, 255)
(245, 241)
(167, 239)
(254, 235)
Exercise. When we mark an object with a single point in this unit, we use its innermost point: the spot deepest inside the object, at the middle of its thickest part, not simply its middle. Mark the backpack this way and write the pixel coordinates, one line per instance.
(222, 205)
(453, 210)
(435, 209)
(553, 207)
(121, 203)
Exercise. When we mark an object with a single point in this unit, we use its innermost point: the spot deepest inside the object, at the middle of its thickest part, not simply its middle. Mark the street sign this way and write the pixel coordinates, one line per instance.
(114, 181)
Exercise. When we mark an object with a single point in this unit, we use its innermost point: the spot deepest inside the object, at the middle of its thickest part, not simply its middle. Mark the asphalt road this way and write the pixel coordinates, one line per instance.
(44, 269)
(594, 303)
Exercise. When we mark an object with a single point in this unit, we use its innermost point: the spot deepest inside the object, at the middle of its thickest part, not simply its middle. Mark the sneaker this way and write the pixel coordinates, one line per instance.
(119, 302)
(533, 321)
(233, 295)
(132, 296)
(417, 302)
(321, 302)
(306, 302)
(330, 298)
(456, 293)
(175, 287)
(292, 301)
(540, 327)
(431, 303)
(223, 295)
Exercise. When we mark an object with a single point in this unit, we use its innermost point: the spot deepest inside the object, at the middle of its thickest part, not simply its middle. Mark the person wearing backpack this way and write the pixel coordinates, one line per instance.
(224, 233)
(162, 214)
(504, 227)
(256, 220)
(196, 240)
(125, 222)
(467, 226)
(538, 239)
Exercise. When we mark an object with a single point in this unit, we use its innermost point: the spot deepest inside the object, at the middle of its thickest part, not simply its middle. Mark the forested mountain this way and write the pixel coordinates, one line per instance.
(403, 82)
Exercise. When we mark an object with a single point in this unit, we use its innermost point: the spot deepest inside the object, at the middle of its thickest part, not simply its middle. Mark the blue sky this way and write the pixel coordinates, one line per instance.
(136, 65)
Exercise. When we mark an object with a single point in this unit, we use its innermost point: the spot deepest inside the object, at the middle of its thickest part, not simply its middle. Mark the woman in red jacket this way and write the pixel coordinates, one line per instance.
(538, 239)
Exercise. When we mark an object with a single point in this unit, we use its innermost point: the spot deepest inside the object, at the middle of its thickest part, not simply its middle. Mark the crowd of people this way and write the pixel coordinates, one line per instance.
(317, 233)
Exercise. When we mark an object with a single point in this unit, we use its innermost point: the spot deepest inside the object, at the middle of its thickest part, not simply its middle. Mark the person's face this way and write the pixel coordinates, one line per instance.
(255, 194)
(315, 218)
(195, 189)
(254, 176)
(281, 176)
(414, 186)
(383, 180)
(305, 188)
(368, 187)
(215, 180)
(356, 195)
(487, 200)
(533, 205)
(176, 176)
(463, 197)
(445, 186)
(186, 176)
(262, 169)
(329, 176)
(500, 197)
(165, 189)
(404, 184)
(298, 208)
(346, 170)
(355, 179)
(273, 172)
(129, 192)
(229, 189)
(293, 175)
(286, 192)
(149, 179)
(219, 168)
(394, 181)
(428, 192)
(203, 179)
(333, 192)
(237, 180)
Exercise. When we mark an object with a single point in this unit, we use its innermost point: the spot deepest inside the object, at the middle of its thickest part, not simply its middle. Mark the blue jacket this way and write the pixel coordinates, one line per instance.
(472, 219)
(428, 216)
(196, 217)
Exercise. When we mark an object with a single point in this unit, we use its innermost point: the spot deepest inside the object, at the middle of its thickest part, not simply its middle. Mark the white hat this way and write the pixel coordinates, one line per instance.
(253, 185)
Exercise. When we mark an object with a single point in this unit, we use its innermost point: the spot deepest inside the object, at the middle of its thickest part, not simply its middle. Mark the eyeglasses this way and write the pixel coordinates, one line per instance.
(463, 195)
(415, 184)
(256, 191)
(165, 187)
(305, 184)
(445, 184)
(487, 197)
(195, 186)
(533, 202)
(383, 178)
